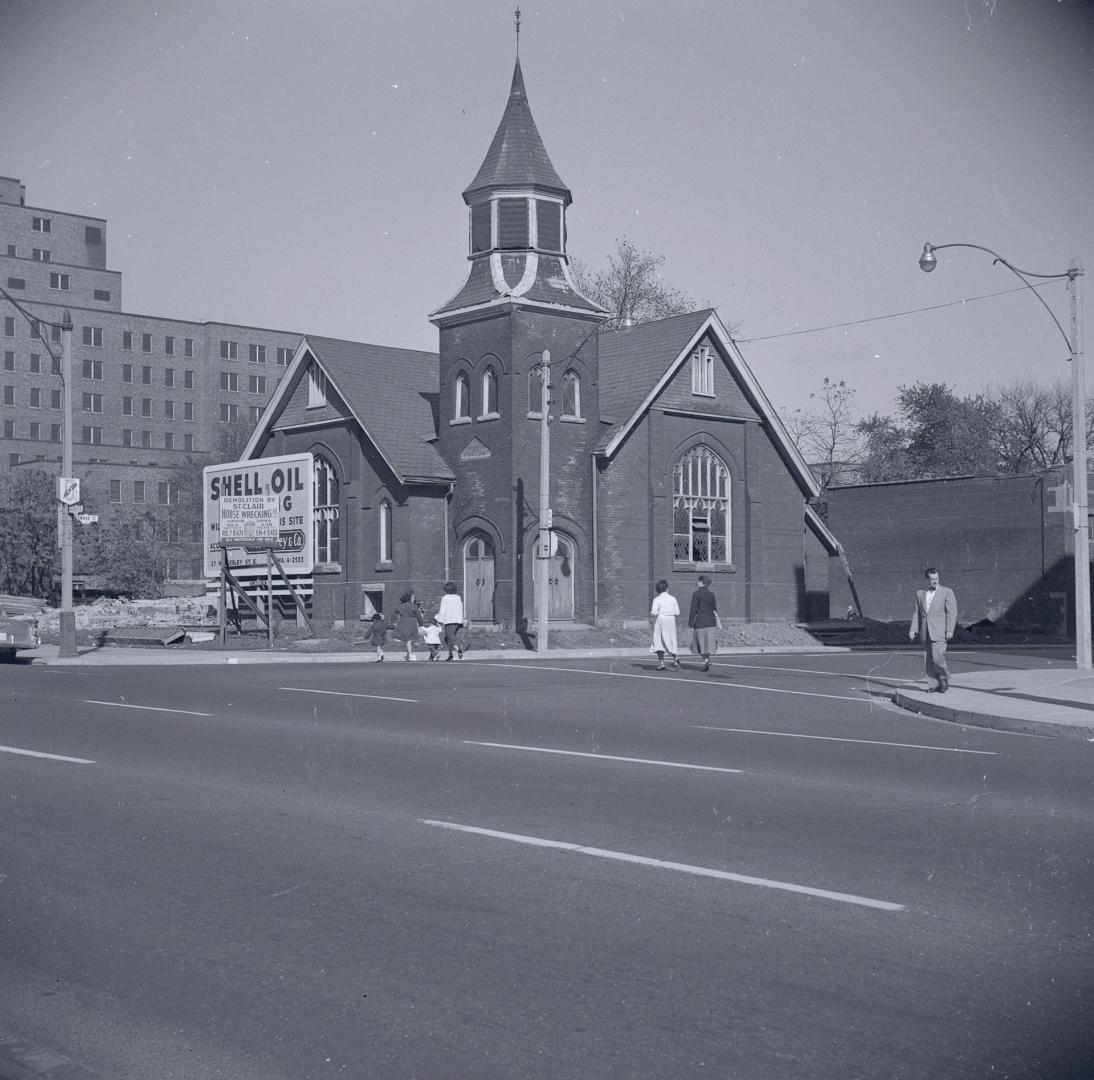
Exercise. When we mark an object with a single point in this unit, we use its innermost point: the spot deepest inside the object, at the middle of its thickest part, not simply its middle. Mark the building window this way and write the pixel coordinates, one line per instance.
(188, 346)
(702, 371)
(169, 410)
(17, 283)
(146, 440)
(317, 388)
(169, 376)
(102, 294)
(146, 375)
(229, 350)
(127, 406)
(93, 234)
(283, 357)
(571, 395)
(512, 223)
(93, 403)
(55, 399)
(93, 336)
(35, 430)
(115, 491)
(188, 410)
(138, 491)
(169, 346)
(229, 380)
(9, 326)
(41, 255)
(253, 413)
(256, 354)
(41, 224)
(146, 406)
(146, 342)
(9, 395)
(127, 372)
(700, 508)
(256, 384)
(9, 360)
(127, 436)
(228, 413)
(36, 398)
(93, 435)
(54, 432)
(59, 281)
(35, 329)
(127, 340)
(93, 369)
(462, 405)
(168, 441)
(36, 363)
(9, 429)
(188, 444)
(489, 393)
(188, 380)
(535, 392)
(326, 511)
(385, 531)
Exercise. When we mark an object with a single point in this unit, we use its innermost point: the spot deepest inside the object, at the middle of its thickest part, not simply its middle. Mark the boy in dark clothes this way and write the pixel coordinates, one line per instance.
(377, 634)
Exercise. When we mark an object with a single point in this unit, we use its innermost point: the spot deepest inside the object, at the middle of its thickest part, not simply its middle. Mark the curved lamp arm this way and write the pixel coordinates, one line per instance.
(927, 262)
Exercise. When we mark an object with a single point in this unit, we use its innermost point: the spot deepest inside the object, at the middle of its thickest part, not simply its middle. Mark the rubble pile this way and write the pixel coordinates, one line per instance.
(107, 613)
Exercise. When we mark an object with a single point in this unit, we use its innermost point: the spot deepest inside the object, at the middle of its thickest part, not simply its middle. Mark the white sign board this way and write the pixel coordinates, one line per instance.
(250, 519)
(68, 490)
(228, 488)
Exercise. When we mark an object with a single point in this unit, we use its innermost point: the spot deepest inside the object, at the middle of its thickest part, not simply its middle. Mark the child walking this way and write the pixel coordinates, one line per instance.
(431, 635)
(377, 635)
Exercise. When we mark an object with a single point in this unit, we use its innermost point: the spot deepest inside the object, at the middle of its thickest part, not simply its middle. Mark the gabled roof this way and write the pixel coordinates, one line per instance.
(392, 394)
(637, 363)
(517, 156)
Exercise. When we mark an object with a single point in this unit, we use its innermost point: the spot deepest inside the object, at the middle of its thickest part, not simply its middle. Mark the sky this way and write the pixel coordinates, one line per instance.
(298, 164)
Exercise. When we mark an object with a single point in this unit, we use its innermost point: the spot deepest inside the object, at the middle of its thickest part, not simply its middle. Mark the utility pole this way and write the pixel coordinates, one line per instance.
(67, 624)
(1079, 479)
(543, 548)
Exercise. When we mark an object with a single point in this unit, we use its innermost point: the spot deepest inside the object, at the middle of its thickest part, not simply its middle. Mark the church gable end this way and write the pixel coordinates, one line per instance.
(706, 383)
(313, 400)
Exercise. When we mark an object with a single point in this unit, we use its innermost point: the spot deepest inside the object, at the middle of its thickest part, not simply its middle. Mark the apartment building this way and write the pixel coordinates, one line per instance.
(151, 393)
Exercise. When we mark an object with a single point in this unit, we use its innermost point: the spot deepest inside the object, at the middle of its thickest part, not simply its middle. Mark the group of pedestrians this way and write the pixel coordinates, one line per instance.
(702, 619)
(410, 624)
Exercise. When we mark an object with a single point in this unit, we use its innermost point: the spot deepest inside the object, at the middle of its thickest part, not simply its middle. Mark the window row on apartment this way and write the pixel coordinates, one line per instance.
(92, 435)
(94, 403)
(256, 354)
(167, 494)
(57, 281)
(93, 234)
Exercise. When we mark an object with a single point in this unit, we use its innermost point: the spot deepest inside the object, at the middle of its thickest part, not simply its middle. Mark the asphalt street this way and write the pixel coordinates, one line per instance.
(578, 869)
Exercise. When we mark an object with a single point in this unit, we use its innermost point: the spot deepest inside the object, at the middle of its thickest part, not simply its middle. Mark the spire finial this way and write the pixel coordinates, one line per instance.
(516, 19)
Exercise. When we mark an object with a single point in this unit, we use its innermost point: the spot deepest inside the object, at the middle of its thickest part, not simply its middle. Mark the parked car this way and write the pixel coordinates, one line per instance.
(15, 634)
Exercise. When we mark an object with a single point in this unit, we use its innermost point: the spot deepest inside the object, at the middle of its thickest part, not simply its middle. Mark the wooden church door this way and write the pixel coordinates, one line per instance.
(560, 582)
(478, 579)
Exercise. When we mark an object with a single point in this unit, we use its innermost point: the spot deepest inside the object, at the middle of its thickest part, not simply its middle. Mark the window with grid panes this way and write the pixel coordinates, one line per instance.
(701, 508)
(325, 492)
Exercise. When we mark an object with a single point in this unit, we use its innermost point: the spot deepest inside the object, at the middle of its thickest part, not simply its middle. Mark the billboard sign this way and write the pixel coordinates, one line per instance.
(253, 504)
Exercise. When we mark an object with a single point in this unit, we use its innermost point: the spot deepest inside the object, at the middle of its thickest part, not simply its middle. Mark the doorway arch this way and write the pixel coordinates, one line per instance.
(561, 567)
(478, 578)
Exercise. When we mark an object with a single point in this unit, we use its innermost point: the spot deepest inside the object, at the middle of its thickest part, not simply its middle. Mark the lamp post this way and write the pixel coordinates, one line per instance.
(1074, 274)
(543, 545)
(67, 617)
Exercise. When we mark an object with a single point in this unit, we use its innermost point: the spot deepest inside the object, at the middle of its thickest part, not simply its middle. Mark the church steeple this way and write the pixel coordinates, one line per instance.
(517, 229)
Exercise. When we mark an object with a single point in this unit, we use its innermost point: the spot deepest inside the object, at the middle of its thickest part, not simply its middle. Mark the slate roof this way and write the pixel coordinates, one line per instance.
(517, 156)
(632, 359)
(394, 393)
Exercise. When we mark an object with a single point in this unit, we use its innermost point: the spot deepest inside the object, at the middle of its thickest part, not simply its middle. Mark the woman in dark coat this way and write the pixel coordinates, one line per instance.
(408, 617)
(703, 620)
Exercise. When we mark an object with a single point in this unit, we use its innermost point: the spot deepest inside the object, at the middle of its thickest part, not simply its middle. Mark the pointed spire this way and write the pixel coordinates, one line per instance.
(517, 156)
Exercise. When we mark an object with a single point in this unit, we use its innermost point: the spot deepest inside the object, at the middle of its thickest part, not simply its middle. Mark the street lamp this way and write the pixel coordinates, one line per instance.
(1074, 274)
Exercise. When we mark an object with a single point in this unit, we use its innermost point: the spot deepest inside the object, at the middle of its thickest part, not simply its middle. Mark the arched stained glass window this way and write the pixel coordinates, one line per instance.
(571, 394)
(462, 405)
(325, 495)
(385, 531)
(701, 508)
(489, 392)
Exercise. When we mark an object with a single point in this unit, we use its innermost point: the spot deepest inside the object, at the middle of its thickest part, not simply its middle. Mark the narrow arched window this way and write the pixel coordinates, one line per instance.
(325, 500)
(571, 395)
(702, 371)
(489, 392)
(385, 531)
(462, 406)
(701, 508)
(535, 392)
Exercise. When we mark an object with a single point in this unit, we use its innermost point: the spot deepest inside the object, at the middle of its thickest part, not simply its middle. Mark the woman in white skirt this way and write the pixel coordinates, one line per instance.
(663, 615)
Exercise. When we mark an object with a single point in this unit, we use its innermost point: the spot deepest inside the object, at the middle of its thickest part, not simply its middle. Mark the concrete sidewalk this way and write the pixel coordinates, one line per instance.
(1057, 701)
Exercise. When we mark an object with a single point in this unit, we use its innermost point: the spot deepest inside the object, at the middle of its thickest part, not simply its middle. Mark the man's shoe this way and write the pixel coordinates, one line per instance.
(448, 657)
(459, 654)
(706, 666)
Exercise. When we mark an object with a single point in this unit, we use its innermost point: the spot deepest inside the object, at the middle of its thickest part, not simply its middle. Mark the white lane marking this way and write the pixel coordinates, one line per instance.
(145, 708)
(815, 671)
(51, 757)
(833, 738)
(676, 682)
(341, 693)
(662, 864)
(602, 757)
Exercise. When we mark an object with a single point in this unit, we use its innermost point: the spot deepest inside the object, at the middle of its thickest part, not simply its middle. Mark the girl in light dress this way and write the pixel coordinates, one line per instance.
(663, 616)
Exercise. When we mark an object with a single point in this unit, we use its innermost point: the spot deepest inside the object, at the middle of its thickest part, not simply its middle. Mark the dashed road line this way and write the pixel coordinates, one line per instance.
(833, 738)
(145, 708)
(346, 693)
(50, 757)
(663, 864)
(603, 757)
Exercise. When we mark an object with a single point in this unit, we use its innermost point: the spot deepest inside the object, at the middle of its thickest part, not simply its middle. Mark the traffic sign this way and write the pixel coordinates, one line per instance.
(87, 519)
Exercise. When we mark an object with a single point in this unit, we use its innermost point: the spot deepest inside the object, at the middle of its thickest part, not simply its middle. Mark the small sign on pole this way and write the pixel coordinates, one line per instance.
(87, 519)
(68, 490)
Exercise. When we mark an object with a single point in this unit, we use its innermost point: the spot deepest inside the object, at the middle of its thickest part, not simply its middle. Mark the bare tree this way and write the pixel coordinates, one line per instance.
(632, 286)
(826, 434)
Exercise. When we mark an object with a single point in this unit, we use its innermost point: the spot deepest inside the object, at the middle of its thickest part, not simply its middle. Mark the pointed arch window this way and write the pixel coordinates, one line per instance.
(571, 395)
(385, 531)
(326, 502)
(701, 508)
(489, 393)
(461, 409)
(535, 392)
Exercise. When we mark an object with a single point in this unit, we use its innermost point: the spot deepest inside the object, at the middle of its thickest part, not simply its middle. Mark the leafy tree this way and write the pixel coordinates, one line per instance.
(632, 286)
(884, 449)
(29, 556)
(948, 435)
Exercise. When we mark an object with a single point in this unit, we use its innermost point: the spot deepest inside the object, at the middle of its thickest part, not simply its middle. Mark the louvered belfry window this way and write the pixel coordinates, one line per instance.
(480, 227)
(701, 508)
(512, 223)
(549, 225)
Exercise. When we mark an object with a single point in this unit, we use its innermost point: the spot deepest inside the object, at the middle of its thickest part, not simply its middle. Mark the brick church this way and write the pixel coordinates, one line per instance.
(667, 459)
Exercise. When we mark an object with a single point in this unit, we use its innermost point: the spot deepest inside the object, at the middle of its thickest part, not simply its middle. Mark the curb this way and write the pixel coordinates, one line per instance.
(958, 715)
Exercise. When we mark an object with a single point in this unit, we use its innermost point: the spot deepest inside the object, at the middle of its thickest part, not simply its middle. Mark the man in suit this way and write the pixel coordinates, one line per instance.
(933, 622)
